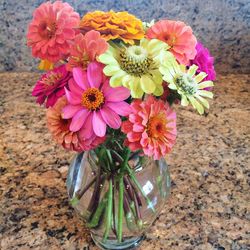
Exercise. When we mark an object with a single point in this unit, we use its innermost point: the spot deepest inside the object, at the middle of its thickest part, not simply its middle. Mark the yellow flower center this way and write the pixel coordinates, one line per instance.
(92, 99)
(157, 126)
(51, 79)
(135, 60)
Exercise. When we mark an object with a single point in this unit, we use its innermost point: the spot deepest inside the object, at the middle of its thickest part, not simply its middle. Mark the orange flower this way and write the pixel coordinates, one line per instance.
(113, 25)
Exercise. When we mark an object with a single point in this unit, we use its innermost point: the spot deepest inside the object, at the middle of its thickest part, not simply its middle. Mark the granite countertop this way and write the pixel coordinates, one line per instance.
(209, 204)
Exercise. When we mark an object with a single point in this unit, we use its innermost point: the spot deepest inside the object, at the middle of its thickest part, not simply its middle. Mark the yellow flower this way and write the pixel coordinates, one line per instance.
(136, 67)
(113, 25)
(187, 83)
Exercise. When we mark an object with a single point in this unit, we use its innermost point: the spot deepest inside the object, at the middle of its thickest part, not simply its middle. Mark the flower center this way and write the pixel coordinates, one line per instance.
(170, 39)
(157, 125)
(135, 60)
(187, 84)
(47, 29)
(51, 79)
(92, 99)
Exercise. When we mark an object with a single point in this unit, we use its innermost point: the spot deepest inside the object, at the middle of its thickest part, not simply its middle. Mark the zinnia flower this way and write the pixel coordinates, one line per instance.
(85, 49)
(186, 83)
(151, 127)
(178, 36)
(93, 104)
(113, 25)
(204, 61)
(59, 129)
(136, 67)
(51, 30)
(51, 86)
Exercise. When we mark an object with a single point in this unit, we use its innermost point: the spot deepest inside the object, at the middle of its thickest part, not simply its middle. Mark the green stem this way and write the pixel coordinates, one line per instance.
(108, 211)
(96, 217)
(120, 208)
(133, 178)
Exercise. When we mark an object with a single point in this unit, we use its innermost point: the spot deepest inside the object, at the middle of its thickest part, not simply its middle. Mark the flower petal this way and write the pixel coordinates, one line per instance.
(72, 97)
(87, 131)
(147, 85)
(78, 120)
(99, 125)
(121, 108)
(70, 110)
(94, 73)
(116, 94)
(80, 77)
(110, 117)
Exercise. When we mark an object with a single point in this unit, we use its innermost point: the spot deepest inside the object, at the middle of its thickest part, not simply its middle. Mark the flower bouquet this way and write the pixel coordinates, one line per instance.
(109, 87)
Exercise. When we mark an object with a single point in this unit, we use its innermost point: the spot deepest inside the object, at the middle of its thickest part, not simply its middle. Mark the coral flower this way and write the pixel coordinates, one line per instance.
(85, 49)
(204, 61)
(51, 86)
(178, 36)
(59, 129)
(51, 30)
(93, 104)
(113, 25)
(151, 127)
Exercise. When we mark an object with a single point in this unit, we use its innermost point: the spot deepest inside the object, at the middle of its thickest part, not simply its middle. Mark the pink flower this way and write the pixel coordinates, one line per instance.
(59, 129)
(151, 127)
(85, 49)
(178, 36)
(51, 30)
(51, 86)
(205, 62)
(93, 104)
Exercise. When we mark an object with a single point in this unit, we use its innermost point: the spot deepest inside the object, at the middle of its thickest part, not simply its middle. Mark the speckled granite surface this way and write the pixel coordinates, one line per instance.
(210, 168)
(223, 26)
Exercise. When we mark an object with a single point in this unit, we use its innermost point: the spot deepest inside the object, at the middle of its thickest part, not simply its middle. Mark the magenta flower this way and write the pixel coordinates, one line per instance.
(51, 85)
(204, 61)
(93, 104)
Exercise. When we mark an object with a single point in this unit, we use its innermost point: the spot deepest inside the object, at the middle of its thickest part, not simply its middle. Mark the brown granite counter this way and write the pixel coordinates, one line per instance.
(209, 204)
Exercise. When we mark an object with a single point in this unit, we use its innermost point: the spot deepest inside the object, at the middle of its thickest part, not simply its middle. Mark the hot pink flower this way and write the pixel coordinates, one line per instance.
(151, 127)
(178, 36)
(59, 129)
(85, 49)
(51, 86)
(93, 104)
(51, 30)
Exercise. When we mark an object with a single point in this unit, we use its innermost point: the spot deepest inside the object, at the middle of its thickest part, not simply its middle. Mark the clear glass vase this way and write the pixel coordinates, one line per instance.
(118, 206)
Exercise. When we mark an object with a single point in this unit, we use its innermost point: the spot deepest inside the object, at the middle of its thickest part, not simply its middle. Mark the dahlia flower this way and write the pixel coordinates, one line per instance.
(59, 129)
(45, 65)
(85, 49)
(51, 86)
(51, 30)
(151, 127)
(113, 25)
(187, 84)
(93, 104)
(204, 61)
(178, 36)
(136, 67)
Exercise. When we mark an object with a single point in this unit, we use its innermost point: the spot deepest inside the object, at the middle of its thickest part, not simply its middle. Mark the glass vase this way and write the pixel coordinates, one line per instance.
(118, 205)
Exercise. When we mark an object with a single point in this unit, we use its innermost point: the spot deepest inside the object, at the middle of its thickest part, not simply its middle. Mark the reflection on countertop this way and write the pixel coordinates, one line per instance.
(209, 203)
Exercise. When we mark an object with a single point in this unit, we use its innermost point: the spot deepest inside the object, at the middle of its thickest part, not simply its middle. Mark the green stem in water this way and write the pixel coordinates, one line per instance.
(108, 212)
(98, 213)
(120, 208)
(121, 194)
(133, 178)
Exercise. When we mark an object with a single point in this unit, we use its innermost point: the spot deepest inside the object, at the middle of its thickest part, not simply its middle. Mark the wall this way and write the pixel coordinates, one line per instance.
(222, 25)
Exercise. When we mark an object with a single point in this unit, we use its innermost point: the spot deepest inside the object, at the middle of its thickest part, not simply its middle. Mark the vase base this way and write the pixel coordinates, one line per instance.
(129, 243)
